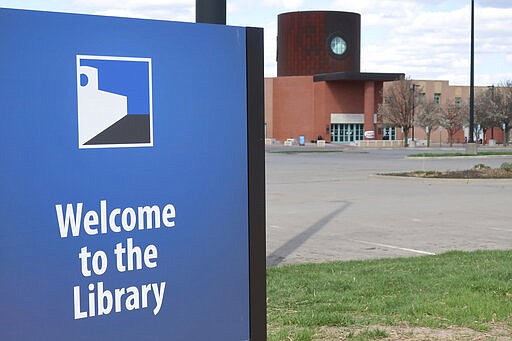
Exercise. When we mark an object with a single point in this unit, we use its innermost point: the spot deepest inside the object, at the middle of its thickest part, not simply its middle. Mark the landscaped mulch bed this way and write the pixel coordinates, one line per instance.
(479, 171)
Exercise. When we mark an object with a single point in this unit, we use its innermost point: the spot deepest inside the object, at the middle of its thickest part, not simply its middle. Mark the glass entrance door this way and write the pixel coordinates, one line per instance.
(346, 132)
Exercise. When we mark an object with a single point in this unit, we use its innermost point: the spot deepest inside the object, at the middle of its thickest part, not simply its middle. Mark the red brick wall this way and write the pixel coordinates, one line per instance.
(303, 42)
(339, 98)
(303, 107)
(293, 113)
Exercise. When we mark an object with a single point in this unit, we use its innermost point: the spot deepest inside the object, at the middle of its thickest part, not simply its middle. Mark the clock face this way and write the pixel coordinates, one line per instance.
(338, 45)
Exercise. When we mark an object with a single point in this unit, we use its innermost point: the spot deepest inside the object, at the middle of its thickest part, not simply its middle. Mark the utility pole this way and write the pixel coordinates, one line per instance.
(413, 109)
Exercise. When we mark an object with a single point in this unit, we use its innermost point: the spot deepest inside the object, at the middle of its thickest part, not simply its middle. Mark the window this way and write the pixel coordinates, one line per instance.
(421, 98)
(389, 133)
(338, 45)
(437, 98)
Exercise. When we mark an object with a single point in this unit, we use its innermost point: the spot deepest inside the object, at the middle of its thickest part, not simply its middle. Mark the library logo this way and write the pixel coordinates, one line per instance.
(115, 104)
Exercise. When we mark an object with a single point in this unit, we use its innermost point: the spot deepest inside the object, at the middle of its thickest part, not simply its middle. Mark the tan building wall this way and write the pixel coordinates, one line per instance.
(269, 107)
(448, 95)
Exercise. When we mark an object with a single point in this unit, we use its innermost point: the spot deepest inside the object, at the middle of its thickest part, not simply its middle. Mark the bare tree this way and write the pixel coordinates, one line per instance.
(428, 117)
(452, 118)
(493, 108)
(503, 104)
(398, 106)
(486, 111)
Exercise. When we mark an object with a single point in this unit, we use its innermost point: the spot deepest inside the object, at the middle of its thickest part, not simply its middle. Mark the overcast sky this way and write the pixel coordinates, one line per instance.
(423, 39)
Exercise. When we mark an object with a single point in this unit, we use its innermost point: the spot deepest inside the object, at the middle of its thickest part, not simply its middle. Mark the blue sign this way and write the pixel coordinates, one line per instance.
(124, 204)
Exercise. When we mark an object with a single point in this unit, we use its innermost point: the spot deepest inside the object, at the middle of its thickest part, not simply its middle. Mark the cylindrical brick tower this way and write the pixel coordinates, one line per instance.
(316, 42)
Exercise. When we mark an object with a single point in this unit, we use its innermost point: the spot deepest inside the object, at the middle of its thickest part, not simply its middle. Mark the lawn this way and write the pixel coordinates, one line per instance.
(366, 300)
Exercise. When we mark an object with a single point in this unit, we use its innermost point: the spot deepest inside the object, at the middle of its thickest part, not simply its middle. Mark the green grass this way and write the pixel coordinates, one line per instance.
(458, 154)
(452, 289)
(368, 334)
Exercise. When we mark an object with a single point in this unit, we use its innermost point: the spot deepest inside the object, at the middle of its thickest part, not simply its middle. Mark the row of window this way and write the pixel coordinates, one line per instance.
(345, 133)
(437, 98)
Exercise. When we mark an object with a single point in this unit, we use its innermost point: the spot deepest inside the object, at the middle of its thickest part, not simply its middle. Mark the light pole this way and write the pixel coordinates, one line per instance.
(472, 77)
(491, 88)
(471, 147)
(413, 106)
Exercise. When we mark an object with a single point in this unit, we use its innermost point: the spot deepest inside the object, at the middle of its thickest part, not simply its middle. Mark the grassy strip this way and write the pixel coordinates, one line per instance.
(453, 289)
(458, 154)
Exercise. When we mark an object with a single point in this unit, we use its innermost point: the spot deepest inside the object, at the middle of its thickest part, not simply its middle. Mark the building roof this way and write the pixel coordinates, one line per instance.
(357, 76)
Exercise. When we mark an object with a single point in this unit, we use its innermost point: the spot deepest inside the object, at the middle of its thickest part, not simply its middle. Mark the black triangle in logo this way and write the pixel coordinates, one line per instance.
(130, 129)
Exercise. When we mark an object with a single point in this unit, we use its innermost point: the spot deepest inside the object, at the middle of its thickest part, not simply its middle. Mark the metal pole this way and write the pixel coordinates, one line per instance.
(413, 107)
(472, 77)
(211, 11)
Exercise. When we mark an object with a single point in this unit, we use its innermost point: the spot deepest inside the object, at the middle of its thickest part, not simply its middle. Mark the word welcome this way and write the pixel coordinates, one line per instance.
(117, 219)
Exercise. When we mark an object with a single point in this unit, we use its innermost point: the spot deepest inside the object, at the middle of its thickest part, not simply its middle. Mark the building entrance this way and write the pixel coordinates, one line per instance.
(346, 132)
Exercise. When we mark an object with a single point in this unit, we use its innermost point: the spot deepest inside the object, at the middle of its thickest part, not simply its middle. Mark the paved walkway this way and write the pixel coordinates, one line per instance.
(333, 206)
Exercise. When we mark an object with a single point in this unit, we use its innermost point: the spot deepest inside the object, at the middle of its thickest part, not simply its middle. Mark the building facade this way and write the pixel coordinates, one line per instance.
(444, 94)
(319, 91)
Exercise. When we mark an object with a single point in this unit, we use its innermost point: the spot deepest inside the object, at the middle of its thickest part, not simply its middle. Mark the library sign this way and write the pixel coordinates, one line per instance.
(125, 202)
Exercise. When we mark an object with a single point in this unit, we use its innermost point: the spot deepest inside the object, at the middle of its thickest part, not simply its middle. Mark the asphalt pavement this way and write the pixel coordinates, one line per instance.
(332, 205)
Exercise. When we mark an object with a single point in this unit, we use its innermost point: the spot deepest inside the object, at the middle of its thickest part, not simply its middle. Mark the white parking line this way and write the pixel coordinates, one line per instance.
(394, 247)
(498, 229)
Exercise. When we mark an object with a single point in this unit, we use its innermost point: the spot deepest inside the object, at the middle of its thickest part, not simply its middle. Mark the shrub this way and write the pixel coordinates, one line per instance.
(506, 166)
(481, 166)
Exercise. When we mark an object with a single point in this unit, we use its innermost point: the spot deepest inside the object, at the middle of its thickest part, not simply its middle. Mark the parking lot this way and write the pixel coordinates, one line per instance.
(333, 206)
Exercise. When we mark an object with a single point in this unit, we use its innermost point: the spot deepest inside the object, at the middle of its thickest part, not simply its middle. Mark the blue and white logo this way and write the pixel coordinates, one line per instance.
(115, 105)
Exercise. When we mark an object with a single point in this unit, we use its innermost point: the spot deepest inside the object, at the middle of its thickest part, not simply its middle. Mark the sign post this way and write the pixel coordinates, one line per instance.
(131, 178)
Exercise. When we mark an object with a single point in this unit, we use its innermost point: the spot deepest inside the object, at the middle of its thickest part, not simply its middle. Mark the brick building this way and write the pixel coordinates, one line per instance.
(441, 92)
(319, 90)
